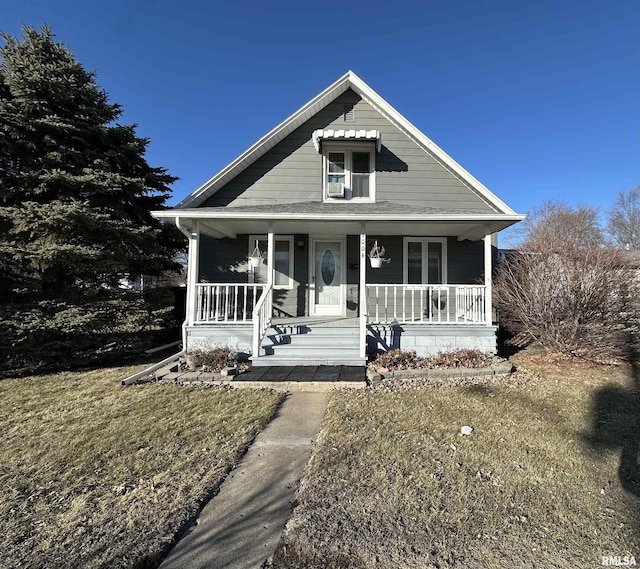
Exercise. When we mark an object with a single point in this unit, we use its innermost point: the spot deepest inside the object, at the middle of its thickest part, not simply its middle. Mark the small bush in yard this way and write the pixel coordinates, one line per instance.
(397, 359)
(211, 360)
(462, 358)
(408, 359)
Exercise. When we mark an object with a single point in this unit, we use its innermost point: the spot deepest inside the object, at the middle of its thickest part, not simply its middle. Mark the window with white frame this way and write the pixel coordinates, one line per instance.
(425, 260)
(349, 172)
(282, 262)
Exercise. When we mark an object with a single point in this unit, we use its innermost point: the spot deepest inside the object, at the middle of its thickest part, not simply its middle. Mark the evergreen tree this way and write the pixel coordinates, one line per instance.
(75, 200)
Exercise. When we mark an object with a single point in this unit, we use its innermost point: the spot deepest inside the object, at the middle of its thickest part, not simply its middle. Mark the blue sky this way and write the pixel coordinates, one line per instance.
(539, 100)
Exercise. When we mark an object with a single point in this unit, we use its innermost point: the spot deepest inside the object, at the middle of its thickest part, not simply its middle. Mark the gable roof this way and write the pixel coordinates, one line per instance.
(348, 81)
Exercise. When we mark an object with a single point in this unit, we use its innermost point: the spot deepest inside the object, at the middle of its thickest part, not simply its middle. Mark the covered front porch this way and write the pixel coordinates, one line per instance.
(314, 296)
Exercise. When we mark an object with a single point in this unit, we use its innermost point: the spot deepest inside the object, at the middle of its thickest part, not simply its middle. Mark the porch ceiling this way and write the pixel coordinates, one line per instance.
(460, 229)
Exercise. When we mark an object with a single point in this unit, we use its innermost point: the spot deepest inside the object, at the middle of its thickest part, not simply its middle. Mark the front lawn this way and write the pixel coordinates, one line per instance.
(93, 474)
(548, 478)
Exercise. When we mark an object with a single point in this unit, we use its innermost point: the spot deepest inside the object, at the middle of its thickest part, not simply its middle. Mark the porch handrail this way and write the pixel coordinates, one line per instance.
(426, 304)
(262, 313)
(229, 303)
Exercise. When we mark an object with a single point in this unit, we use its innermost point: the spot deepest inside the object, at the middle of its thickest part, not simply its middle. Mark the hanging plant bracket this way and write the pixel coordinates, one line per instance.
(255, 259)
(376, 256)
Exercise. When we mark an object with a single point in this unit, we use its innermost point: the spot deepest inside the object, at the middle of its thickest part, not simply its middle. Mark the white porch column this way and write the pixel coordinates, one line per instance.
(270, 260)
(488, 296)
(363, 291)
(192, 273)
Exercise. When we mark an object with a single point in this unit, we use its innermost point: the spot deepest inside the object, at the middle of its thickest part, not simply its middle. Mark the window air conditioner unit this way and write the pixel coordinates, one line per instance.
(335, 190)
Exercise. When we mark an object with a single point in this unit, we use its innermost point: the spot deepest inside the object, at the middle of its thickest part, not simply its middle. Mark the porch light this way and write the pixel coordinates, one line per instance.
(376, 256)
(255, 259)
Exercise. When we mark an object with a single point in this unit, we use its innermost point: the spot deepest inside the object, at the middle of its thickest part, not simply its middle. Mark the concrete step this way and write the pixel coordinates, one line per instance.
(310, 345)
(303, 331)
(329, 360)
(309, 350)
(310, 340)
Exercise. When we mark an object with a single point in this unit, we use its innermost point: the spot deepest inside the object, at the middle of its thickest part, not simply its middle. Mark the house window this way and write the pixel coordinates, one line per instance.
(349, 174)
(336, 167)
(282, 262)
(425, 260)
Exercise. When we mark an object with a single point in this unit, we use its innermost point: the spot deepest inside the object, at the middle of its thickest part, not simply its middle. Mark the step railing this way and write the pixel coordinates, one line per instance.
(425, 304)
(262, 318)
(222, 303)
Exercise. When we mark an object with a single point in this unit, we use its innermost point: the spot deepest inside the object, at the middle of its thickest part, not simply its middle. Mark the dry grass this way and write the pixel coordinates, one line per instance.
(549, 477)
(93, 474)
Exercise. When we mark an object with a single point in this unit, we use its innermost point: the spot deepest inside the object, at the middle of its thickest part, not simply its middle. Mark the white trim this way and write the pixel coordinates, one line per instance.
(173, 214)
(289, 239)
(348, 80)
(488, 281)
(425, 266)
(346, 135)
(193, 268)
(362, 303)
(313, 239)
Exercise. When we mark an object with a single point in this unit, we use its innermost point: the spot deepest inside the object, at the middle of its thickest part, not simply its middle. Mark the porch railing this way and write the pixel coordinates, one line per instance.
(427, 304)
(226, 302)
(262, 318)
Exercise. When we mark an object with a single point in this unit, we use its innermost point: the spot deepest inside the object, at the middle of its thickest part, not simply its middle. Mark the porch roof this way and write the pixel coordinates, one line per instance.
(381, 218)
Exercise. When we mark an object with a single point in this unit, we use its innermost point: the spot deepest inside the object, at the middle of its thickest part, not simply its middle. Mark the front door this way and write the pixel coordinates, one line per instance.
(327, 277)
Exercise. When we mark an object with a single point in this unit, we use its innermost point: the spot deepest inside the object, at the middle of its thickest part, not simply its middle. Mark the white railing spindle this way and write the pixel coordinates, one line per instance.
(438, 304)
(226, 303)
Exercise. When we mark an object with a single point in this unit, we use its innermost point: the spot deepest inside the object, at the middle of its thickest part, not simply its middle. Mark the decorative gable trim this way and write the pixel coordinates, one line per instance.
(348, 81)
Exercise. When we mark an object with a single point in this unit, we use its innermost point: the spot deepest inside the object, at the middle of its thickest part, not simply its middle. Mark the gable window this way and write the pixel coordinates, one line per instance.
(349, 173)
(425, 260)
(282, 262)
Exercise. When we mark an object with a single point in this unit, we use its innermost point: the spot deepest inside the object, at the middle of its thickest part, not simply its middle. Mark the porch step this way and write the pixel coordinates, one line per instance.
(316, 337)
(310, 345)
(281, 361)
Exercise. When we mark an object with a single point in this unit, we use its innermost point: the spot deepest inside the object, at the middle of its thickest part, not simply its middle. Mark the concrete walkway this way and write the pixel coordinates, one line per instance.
(240, 527)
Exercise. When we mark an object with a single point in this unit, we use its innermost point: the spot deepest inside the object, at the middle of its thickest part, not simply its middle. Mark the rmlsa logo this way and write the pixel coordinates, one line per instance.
(619, 561)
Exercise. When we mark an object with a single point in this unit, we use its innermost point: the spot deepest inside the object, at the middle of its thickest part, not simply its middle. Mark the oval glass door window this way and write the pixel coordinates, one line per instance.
(328, 267)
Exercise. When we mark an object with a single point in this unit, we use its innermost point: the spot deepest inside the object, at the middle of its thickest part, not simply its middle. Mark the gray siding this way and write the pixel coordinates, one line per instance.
(465, 260)
(225, 261)
(292, 170)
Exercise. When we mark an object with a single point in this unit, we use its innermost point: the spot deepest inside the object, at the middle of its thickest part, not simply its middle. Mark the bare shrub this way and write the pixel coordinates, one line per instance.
(623, 223)
(555, 224)
(397, 359)
(408, 359)
(212, 360)
(577, 300)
